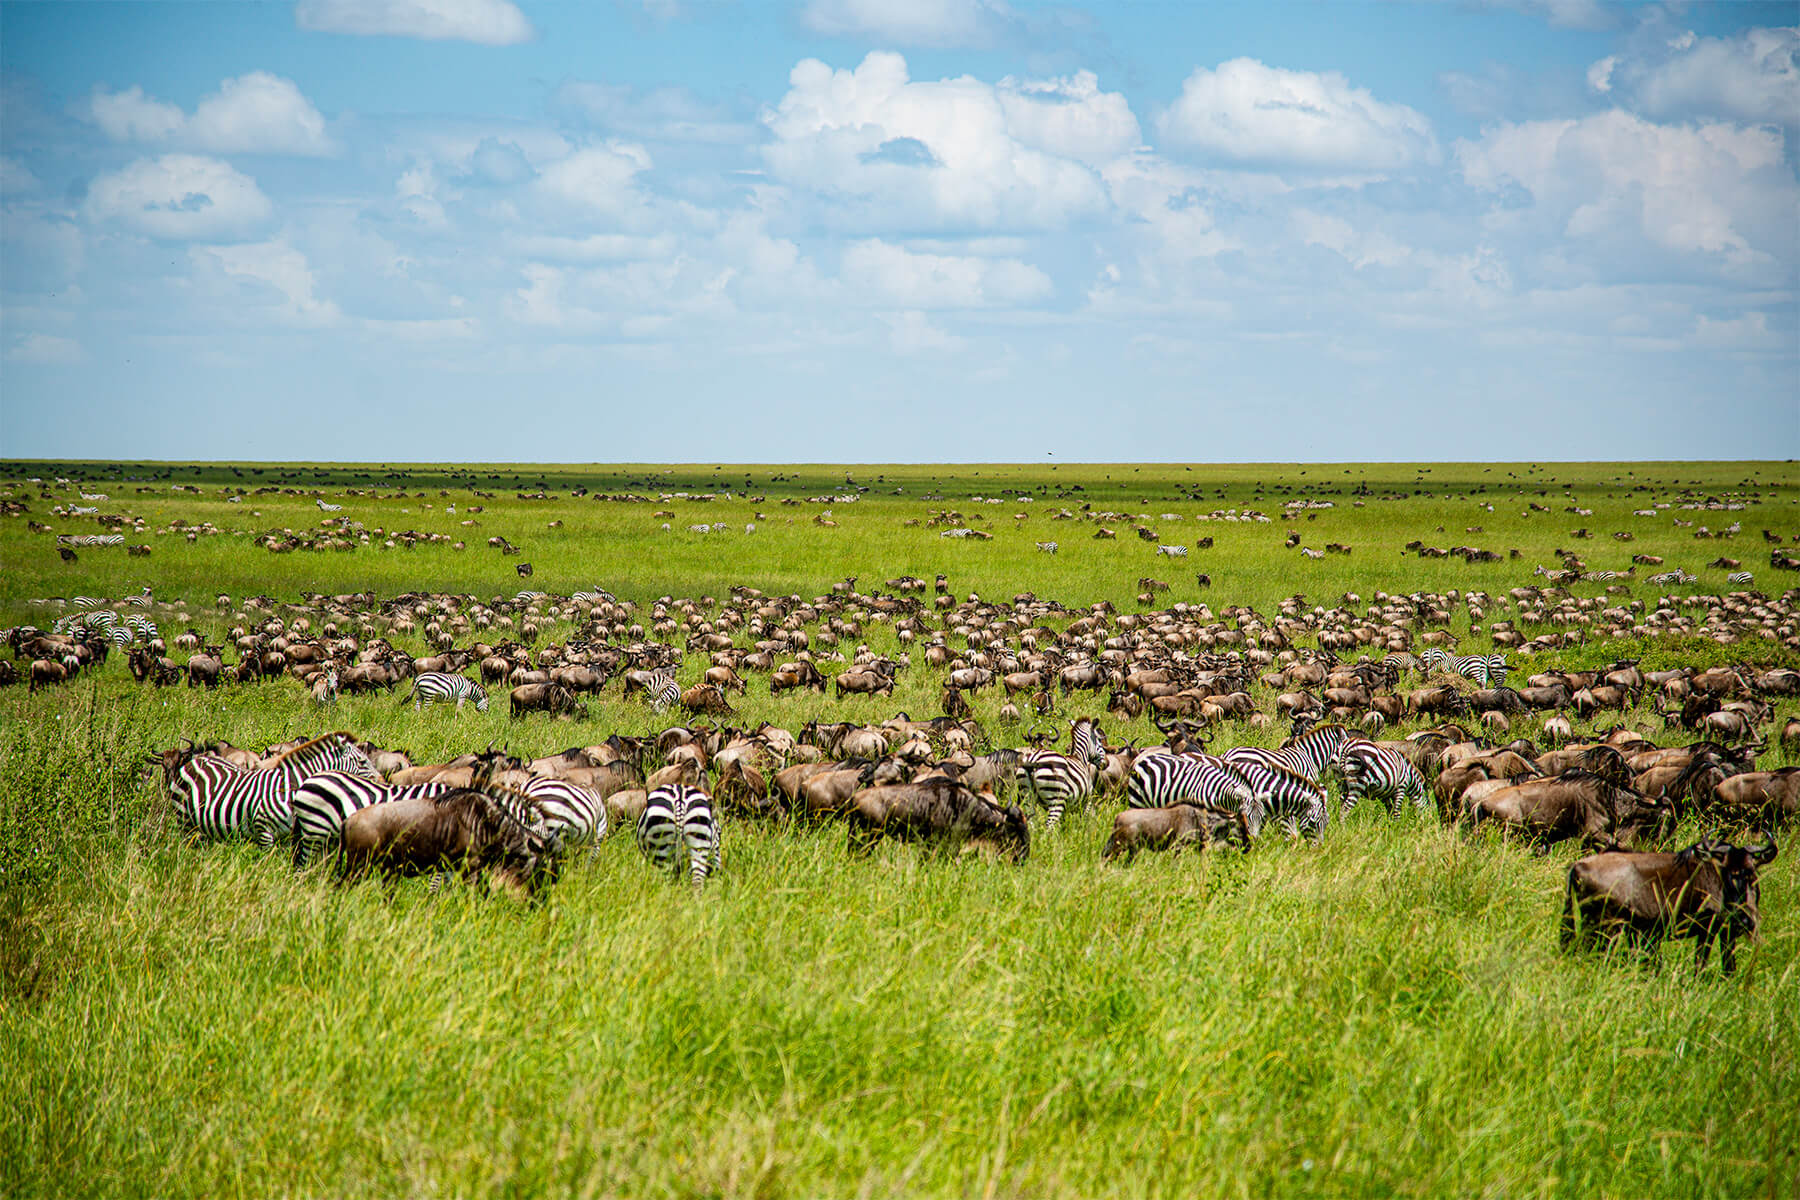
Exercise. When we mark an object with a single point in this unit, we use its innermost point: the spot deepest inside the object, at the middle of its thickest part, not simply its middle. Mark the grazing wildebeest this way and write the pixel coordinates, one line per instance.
(467, 830)
(1176, 826)
(552, 698)
(1707, 891)
(1575, 804)
(940, 811)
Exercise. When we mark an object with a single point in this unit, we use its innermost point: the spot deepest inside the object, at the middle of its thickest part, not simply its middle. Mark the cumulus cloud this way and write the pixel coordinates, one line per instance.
(883, 151)
(1248, 112)
(935, 23)
(180, 197)
(596, 182)
(1613, 180)
(44, 350)
(1752, 76)
(276, 266)
(487, 22)
(258, 113)
(1070, 117)
(891, 276)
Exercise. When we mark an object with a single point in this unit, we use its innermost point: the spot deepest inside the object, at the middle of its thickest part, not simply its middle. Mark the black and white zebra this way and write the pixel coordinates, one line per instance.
(1741, 577)
(663, 690)
(1371, 770)
(1055, 780)
(1307, 755)
(1046, 547)
(570, 811)
(1172, 551)
(324, 507)
(678, 817)
(528, 596)
(141, 600)
(1281, 795)
(219, 799)
(323, 802)
(595, 596)
(1158, 780)
(1489, 670)
(88, 603)
(436, 687)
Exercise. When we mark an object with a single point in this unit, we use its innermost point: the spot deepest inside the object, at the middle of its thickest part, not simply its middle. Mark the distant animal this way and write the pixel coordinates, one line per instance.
(938, 811)
(678, 818)
(440, 687)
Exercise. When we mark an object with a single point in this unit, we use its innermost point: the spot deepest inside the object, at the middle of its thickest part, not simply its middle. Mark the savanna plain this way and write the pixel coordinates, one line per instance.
(1388, 1012)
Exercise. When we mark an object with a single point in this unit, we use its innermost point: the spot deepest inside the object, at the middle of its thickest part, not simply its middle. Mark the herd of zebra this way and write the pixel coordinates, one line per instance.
(308, 793)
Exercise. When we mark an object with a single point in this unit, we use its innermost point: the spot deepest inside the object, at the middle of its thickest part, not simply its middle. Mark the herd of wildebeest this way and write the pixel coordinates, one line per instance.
(1546, 761)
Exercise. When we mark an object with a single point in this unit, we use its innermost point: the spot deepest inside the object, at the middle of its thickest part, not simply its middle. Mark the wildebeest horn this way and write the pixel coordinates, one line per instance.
(1764, 853)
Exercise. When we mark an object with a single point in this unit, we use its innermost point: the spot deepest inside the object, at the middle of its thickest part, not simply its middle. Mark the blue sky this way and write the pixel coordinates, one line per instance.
(861, 230)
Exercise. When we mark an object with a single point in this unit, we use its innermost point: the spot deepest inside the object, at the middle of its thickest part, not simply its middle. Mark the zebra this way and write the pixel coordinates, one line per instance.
(528, 596)
(1281, 795)
(1743, 577)
(324, 507)
(141, 600)
(1375, 770)
(219, 799)
(1307, 755)
(88, 603)
(1489, 670)
(1055, 779)
(674, 816)
(596, 596)
(431, 687)
(1173, 551)
(664, 691)
(1046, 547)
(1159, 780)
(569, 811)
(323, 802)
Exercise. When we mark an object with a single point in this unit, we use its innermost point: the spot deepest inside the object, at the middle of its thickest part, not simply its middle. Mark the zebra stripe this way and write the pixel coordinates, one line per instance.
(571, 812)
(1307, 755)
(1489, 670)
(219, 799)
(1159, 780)
(1046, 547)
(664, 691)
(1055, 780)
(433, 687)
(1744, 577)
(324, 507)
(1371, 770)
(1281, 795)
(323, 802)
(677, 816)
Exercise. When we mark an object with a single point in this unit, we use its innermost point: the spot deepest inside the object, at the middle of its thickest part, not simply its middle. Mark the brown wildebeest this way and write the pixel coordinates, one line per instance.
(1174, 827)
(552, 698)
(1576, 804)
(1705, 892)
(938, 811)
(466, 830)
(1769, 796)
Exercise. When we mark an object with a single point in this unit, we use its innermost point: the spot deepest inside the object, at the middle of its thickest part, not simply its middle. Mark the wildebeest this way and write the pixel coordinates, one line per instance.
(1705, 892)
(1576, 804)
(466, 830)
(1176, 826)
(939, 811)
(552, 698)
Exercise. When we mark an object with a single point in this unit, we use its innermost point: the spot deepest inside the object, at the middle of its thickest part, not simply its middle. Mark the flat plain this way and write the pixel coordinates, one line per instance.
(1386, 1013)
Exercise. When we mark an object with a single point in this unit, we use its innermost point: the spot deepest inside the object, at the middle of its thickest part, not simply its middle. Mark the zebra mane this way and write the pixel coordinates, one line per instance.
(303, 747)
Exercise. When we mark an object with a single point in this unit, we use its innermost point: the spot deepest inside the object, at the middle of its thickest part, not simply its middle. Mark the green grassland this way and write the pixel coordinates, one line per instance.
(1387, 1013)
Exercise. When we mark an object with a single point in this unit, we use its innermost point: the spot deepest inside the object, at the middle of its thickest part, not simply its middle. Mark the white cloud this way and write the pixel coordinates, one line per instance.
(599, 247)
(890, 276)
(1071, 117)
(488, 22)
(1609, 182)
(596, 181)
(44, 350)
(936, 23)
(278, 266)
(1248, 112)
(880, 151)
(182, 197)
(1753, 76)
(258, 113)
(1358, 247)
